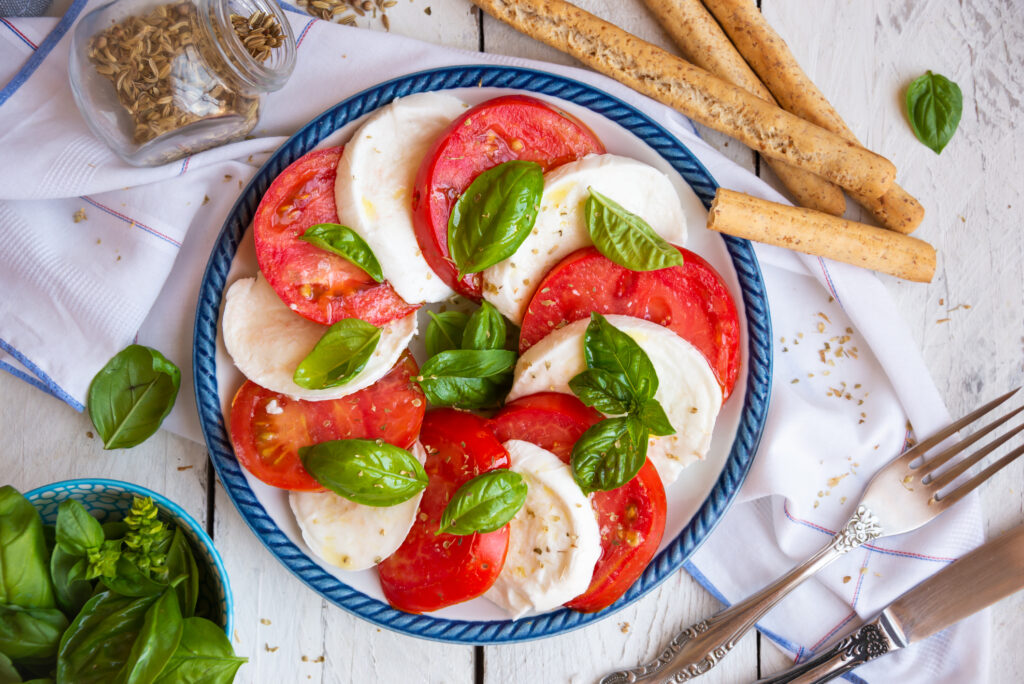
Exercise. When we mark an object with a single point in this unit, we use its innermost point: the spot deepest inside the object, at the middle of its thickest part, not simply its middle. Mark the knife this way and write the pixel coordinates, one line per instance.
(990, 573)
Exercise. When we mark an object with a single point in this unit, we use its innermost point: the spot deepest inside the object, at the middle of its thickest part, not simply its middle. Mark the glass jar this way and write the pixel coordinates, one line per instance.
(158, 80)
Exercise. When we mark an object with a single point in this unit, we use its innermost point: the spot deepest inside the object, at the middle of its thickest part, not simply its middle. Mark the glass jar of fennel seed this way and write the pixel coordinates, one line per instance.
(159, 80)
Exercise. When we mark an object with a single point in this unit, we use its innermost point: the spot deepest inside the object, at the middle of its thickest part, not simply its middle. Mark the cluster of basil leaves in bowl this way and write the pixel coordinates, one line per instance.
(107, 581)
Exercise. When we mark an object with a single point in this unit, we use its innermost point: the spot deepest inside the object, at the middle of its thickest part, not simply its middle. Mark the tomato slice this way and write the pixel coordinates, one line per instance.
(267, 428)
(316, 284)
(691, 300)
(429, 571)
(631, 518)
(494, 132)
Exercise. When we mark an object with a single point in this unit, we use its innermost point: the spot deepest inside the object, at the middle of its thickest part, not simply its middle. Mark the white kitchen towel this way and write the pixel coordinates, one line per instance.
(848, 380)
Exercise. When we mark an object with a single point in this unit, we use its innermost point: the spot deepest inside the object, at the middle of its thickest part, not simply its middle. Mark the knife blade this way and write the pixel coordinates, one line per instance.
(990, 573)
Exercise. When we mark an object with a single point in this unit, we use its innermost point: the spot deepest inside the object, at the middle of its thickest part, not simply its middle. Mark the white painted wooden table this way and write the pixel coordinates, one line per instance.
(969, 322)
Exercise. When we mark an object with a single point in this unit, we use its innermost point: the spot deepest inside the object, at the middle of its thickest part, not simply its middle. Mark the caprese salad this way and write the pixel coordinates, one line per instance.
(577, 356)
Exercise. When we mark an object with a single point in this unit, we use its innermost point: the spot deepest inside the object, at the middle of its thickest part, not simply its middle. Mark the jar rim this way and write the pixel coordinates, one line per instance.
(260, 76)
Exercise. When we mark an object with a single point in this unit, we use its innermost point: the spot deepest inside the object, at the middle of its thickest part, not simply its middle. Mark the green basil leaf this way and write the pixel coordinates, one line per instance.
(70, 584)
(609, 454)
(129, 580)
(444, 332)
(130, 397)
(77, 531)
(625, 238)
(605, 391)
(24, 561)
(204, 656)
(340, 354)
(367, 472)
(30, 634)
(157, 641)
(484, 504)
(934, 106)
(467, 393)
(115, 530)
(485, 329)
(181, 562)
(467, 378)
(8, 675)
(96, 646)
(609, 349)
(653, 418)
(44, 680)
(494, 215)
(347, 244)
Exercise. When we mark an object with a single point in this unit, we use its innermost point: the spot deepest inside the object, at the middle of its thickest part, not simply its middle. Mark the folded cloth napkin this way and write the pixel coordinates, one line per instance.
(848, 379)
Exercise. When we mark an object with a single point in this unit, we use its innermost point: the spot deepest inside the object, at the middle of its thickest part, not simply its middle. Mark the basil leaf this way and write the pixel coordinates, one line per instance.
(609, 454)
(8, 675)
(367, 472)
(609, 349)
(70, 585)
(605, 391)
(77, 531)
(24, 561)
(157, 641)
(468, 378)
(494, 215)
(96, 646)
(129, 580)
(347, 244)
(30, 634)
(625, 238)
(130, 397)
(484, 504)
(204, 656)
(485, 329)
(181, 562)
(340, 354)
(467, 393)
(444, 332)
(653, 418)
(934, 106)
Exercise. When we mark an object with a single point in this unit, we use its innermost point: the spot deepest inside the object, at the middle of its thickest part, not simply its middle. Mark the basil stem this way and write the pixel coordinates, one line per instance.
(341, 353)
(484, 504)
(625, 238)
(367, 472)
(347, 244)
(934, 106)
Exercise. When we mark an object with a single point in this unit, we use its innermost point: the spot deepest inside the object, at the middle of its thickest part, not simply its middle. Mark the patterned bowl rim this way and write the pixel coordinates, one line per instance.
(670, 559)
(178, 513)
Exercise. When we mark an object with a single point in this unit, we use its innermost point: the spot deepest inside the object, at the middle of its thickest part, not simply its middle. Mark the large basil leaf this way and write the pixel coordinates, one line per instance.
(129, 580)
(609, 349)
(485, 329)
(342, 352)
(204, 656)
(367, 472)
(605, 391)
(181, 562)
(96, 646)
(467, 378)
(157, 641)
(653, 418)
(494, 215)
(30, 633)
(609, 454)
(347, 244)
(625, 238)
(70, 585)
(8, 675)
(444, 332)
(934, 106)
(130, 397)
(77, 531)
(24, 571)
(484, 504)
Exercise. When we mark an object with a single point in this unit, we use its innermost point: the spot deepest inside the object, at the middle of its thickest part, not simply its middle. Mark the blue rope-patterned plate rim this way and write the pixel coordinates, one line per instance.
(748, 434)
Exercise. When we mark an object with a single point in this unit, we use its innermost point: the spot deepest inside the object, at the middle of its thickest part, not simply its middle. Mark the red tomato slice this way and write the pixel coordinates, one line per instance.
(690, 299)
(267, 444)
(316, 284)
(429, 571)
(494, 132)
(631, 518)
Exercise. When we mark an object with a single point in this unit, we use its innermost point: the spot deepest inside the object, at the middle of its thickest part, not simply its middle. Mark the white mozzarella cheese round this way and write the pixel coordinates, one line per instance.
(375, 182)
(554, 540)
(267, 341)
(687, 387)
(561, 226)
(352, 536)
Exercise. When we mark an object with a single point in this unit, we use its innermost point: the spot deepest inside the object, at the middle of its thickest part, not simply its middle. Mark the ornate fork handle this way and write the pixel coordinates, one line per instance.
(698, 648)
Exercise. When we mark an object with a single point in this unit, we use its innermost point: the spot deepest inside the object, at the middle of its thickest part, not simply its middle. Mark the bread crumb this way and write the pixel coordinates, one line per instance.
(624, 627)
(270, 649)
(78, 216)
(846, 579)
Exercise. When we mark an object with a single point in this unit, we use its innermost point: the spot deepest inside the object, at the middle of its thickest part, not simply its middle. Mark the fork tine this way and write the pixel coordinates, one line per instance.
(936, 462)
(963, 466)
(921, 447)
(969, 486)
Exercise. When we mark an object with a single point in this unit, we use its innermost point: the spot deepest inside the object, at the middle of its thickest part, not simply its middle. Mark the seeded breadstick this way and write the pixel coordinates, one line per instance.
(770, 57)
(696, 93)
(813, 232)
(702, 41)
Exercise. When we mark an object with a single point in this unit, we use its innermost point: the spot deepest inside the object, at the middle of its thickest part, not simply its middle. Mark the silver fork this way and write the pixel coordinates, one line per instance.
(901, 497)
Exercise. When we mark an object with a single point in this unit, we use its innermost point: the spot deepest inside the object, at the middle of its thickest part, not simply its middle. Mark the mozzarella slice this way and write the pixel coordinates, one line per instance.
(687, 387)
(561, 226)
(554, 541)
(374, 187)
(352, 536)
(267, 341)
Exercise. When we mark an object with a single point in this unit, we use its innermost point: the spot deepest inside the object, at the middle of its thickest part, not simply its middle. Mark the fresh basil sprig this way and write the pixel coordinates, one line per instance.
(130, 396)
(484, 504)
(934, 106)
(77, 531)
(607, 348)
(625, 238)
(372, 473)
(341, 353)
(445, 331)
(467, 378)
(494, 215)
(347, 244)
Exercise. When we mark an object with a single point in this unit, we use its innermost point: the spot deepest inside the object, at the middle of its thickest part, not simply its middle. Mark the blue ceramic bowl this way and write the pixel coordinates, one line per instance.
(111, 500)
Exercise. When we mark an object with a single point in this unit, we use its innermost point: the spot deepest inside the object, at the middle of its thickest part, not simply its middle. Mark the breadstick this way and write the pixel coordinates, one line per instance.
(770, 57)
(696, 93)
(818, 234)
(702, 41)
